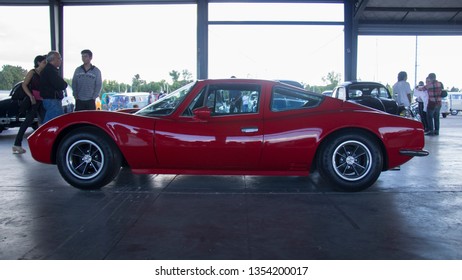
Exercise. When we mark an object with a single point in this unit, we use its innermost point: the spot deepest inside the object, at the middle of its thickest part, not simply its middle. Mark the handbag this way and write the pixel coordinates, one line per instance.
(36, 94)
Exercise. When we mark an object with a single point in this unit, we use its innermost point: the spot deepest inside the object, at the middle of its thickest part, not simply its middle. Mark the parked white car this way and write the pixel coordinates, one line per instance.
(445, 107)
(128, 100)
(455, 102)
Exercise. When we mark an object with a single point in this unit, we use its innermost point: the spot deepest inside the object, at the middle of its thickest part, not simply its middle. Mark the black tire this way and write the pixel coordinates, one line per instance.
(454, 112)
(351, 162)
(88, 159)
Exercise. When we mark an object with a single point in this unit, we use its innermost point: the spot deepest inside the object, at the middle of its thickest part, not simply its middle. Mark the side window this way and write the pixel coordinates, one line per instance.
(228, 99)
(375, 93)
(341, 93)
(355, 93)
(384, 93)
(284, 99)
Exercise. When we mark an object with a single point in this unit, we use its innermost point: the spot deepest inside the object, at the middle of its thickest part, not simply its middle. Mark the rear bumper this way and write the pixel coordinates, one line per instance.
(414, 153)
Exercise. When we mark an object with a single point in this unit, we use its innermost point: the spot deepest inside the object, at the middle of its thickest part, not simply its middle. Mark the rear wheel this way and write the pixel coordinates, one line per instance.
(88, 159)
(350, 162)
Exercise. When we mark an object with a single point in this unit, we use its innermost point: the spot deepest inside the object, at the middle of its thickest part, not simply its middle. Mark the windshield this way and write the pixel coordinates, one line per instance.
(168, 104)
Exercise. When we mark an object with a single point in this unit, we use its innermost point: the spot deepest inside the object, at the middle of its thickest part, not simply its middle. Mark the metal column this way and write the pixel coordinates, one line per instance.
(202, 39)
(351, 41)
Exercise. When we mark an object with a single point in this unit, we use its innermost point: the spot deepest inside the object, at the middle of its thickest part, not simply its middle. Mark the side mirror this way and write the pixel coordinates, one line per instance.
(202, 113)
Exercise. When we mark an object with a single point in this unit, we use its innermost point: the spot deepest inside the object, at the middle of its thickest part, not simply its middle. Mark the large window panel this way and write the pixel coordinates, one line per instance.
(149, 40)
(302, 53)
(381, 58)
(24, 34)
(275, 12)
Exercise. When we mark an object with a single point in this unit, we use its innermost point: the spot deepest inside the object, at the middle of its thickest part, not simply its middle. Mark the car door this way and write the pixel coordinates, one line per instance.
(230, 140)
(291, 134)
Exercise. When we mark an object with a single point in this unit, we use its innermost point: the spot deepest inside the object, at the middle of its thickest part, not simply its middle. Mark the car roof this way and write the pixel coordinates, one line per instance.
(247, 80)
(348, 83)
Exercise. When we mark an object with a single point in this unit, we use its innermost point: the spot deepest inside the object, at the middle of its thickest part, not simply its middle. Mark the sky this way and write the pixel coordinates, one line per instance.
(152, 40)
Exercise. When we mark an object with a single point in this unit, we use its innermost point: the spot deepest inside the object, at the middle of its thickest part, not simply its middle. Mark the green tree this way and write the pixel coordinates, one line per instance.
(111, 86)
(175, 75)
(332, 79)
(186, 75)
(137, 83)
(10, 75)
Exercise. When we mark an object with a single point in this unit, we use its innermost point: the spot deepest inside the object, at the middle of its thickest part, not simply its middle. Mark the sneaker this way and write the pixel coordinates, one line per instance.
(429, 133)
(18, 150)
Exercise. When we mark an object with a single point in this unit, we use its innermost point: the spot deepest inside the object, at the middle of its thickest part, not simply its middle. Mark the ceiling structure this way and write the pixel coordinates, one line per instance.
(409, 17)
(361, 17)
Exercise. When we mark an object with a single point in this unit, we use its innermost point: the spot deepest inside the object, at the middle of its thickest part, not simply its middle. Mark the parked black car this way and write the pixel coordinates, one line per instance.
(371, 94)
(10, 115)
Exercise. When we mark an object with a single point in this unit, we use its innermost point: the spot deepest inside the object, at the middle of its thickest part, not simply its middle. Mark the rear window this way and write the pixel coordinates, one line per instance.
(357, 91)
(284, 99)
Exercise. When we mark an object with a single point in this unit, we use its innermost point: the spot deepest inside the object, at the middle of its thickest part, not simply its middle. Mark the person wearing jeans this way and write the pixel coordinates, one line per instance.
(434, 89)
(52, 86)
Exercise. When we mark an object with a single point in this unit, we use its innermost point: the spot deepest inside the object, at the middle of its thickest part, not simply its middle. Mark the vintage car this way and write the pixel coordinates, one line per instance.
(11, 114)
(128, 100)
(370, 94)
(193, 131)
(455, 102)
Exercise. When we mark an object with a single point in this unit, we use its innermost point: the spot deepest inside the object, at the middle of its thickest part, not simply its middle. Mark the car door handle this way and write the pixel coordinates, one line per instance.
(249, 129)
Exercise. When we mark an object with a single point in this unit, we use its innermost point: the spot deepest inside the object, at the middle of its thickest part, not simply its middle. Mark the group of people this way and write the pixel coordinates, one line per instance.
(45, 88)
(428, 96)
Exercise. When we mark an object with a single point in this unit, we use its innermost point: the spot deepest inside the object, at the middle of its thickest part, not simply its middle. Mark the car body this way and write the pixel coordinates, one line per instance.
(292, 83)
(193, 131)
(105, 97)
(12, 116)
(128, 100)
(370, 94)
(327, 93)
(10, 112)
(445, 107)
(455, 102)
(68, 101)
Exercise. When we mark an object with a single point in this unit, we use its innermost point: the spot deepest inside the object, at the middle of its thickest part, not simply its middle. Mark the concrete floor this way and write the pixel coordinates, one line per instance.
(414, 213)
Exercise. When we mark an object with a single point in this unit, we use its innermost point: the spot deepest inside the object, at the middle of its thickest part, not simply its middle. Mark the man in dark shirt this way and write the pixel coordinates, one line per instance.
(52, 86)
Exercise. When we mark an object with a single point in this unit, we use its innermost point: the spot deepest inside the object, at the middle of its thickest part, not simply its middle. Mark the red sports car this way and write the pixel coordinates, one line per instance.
(231, 127)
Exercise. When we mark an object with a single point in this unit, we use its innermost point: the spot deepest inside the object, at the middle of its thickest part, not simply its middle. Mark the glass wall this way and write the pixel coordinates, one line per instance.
(148, 40)
(24, 34)
(279, 49)
(381, 58)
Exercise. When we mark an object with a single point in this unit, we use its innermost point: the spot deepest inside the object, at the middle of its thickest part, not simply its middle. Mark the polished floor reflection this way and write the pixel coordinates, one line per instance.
(414, 213)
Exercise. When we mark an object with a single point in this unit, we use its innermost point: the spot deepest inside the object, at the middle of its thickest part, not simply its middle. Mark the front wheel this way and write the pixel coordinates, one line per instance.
(88, 159)
(350, 162)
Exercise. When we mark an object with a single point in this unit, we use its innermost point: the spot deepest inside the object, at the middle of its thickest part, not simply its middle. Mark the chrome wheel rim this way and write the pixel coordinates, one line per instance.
(352, 160)
(85, 159)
